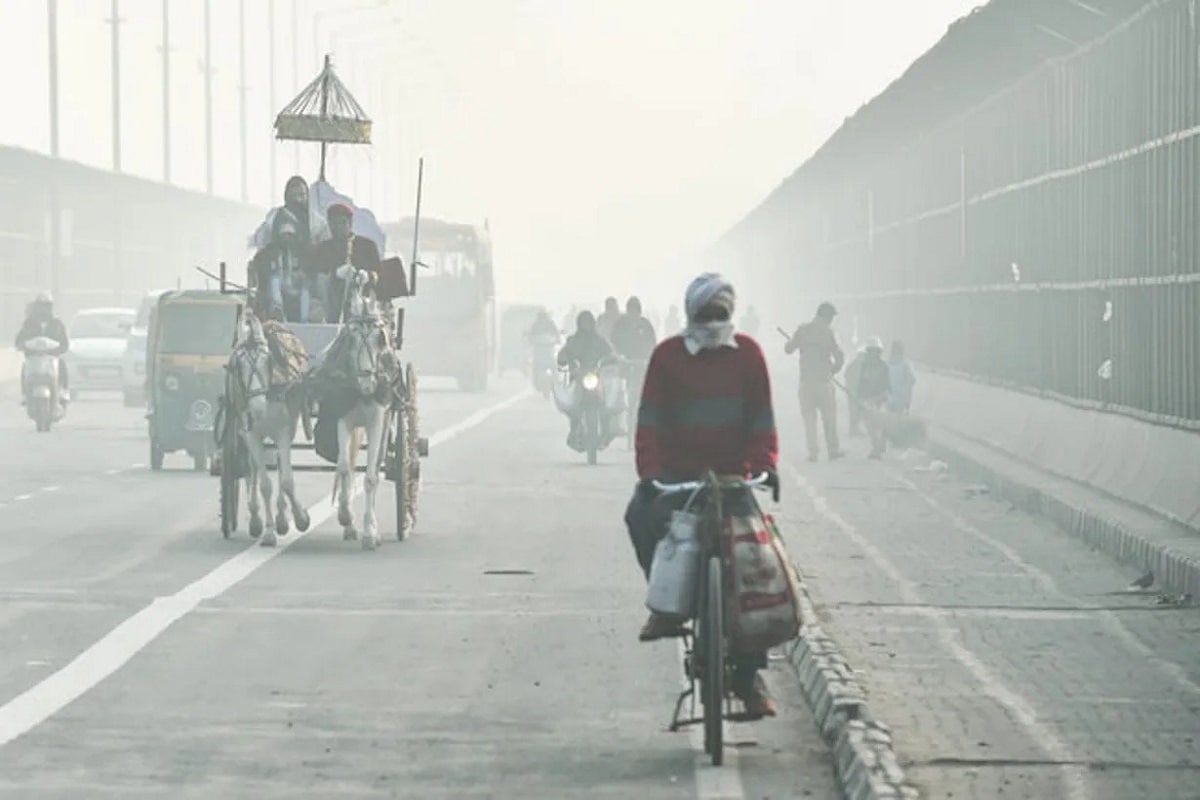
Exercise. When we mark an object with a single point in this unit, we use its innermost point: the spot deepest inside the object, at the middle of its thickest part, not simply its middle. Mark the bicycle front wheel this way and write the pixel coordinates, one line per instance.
(713, 686)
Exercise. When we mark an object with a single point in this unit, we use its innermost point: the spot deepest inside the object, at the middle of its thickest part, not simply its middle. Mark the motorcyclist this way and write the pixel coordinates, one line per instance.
(583, 352)
(543, 337)
(706, 406)
(40, 321)
(633, 336)
(608, 319)
(633, 339)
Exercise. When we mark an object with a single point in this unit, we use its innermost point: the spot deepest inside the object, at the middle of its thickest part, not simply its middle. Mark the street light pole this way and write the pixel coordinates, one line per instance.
(52, 25)
(55, 227)
(242, 88)
(115, 21)
(208, 99)
(296, 69)
(166, 89)
(271, 87)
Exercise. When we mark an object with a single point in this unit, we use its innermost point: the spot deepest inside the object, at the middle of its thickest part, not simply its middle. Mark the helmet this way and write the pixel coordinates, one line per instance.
(44, 299)
(826, 310)
(875, 343)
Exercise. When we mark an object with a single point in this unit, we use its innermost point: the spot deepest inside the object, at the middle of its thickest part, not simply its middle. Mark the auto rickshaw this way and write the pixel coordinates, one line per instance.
(190, 337)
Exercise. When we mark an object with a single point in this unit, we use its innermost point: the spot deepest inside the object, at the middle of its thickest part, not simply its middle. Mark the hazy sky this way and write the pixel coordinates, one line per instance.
(603, 139)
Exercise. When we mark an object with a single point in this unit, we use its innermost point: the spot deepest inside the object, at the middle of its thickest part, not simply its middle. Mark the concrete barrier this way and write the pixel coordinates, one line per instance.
(1152, 466)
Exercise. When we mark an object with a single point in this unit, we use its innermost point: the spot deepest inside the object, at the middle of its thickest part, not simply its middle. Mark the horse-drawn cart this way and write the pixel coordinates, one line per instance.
(403, 445)
(327, 387)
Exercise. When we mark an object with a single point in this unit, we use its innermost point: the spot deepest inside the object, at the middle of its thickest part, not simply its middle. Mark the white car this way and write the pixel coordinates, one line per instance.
(133, 361)
(97, 345)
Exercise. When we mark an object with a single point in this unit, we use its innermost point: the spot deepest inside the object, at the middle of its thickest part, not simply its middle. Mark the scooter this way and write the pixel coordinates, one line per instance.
(43, 395)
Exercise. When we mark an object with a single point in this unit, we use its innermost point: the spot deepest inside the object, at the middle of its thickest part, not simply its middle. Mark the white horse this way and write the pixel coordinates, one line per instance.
(261, 414)
(371, 359)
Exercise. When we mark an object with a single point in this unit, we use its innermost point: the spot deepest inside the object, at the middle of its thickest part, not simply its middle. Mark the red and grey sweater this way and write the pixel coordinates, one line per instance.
(706, 411)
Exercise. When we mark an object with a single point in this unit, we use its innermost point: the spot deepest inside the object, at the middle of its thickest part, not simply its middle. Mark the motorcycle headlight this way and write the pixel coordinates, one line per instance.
(591, 381)
(171, 383)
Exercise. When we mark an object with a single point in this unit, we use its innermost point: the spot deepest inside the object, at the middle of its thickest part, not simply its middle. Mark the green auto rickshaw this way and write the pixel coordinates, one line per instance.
(189, 340)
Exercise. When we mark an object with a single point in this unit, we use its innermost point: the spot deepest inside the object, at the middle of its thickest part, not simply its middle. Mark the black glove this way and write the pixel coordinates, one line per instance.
(773, 481)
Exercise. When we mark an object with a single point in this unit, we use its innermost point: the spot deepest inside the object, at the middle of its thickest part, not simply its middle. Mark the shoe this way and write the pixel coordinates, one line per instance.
(834, 456)
(812, 459)
(660, 627)
(754, 697)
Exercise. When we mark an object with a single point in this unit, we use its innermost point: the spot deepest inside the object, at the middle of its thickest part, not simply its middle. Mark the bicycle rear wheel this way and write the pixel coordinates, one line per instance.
(713, 642)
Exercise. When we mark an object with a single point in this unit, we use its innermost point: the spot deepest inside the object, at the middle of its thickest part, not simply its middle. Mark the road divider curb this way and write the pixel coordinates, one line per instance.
(1176, 573)
(865, 763)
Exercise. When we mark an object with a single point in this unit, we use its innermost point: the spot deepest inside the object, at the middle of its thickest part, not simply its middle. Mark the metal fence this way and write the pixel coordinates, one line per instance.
(117, 235)
(1045, 239)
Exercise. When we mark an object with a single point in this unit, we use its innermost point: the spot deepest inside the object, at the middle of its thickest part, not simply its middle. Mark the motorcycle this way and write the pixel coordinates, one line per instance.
(597, 398)
(43, 395)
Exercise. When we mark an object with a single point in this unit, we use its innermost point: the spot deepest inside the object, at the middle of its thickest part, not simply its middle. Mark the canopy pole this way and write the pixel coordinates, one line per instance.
(324, 111)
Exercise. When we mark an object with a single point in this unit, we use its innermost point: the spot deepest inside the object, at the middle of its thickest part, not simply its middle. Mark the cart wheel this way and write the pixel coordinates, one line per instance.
(230, 479)
(401, 474)
(713, 680)
(414, 444)
(230, 488)
(156, 454)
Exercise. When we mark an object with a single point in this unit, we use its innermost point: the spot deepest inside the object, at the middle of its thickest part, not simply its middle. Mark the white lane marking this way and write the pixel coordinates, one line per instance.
(137, 466)
(49, 696)
(116, 471)
(447, 434)
(506, 613)
(22, 497)
(50, 488)
(712, 783)
(1170, 669)
(1075, 778)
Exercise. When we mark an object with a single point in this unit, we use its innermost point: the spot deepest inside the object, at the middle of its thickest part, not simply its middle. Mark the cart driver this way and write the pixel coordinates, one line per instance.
(342, 248)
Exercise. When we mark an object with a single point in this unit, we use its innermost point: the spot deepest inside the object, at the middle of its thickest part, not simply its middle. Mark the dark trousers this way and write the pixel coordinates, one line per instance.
(647, 518)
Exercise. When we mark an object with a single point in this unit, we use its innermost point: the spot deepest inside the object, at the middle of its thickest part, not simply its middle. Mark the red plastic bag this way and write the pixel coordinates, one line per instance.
(763, 598)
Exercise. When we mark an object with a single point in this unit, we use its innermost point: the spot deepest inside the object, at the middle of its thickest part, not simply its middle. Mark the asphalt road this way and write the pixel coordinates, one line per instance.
(493, 654)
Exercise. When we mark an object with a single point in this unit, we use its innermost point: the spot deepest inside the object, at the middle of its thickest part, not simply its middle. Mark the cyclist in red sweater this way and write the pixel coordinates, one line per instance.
(706, 405)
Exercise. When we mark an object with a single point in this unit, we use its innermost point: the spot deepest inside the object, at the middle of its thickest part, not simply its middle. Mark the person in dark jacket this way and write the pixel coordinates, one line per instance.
(633, 336)
(873, 390)
(583, 352)
(283, 272)
(633, 339)
(40, 321)
(344, 247)
(607, 320)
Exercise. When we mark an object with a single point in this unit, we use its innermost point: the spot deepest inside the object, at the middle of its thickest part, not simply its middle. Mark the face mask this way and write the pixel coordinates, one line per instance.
(708, 336)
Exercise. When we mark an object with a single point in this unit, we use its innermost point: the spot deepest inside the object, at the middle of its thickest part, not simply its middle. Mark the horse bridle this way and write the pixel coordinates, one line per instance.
(249, 353)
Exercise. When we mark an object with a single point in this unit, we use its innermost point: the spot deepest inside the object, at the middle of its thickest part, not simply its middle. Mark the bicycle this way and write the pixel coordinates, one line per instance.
(706, 650)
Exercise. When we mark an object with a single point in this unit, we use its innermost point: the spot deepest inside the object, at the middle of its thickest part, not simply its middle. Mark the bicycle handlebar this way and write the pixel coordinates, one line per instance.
(691, 486)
